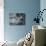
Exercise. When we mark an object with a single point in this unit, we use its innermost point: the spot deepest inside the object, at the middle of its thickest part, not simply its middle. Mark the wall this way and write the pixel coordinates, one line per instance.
(1, 21)
(43, 6)
(29, 7)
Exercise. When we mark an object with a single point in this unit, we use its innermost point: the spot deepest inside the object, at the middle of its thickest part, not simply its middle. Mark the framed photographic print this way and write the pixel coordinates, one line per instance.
(17, 19)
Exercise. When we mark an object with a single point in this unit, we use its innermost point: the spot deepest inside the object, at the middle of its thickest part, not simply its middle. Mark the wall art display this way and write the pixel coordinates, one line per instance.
(17, 18)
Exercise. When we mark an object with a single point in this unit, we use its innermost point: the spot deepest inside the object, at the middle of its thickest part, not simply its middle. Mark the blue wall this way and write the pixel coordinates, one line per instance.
(29, 7)
(43, 6)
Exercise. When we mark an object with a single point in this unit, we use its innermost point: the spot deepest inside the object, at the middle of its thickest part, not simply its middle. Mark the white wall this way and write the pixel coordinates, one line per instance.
(1, 21)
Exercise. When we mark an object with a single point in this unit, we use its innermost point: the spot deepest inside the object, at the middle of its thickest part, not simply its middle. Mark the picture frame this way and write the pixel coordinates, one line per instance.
(17, 19)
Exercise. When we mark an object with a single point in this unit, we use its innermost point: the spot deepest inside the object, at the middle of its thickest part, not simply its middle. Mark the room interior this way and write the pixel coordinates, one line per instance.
(22, 30)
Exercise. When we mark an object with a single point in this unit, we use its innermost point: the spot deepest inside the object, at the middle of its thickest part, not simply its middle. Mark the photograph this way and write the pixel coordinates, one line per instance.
(17, 19)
